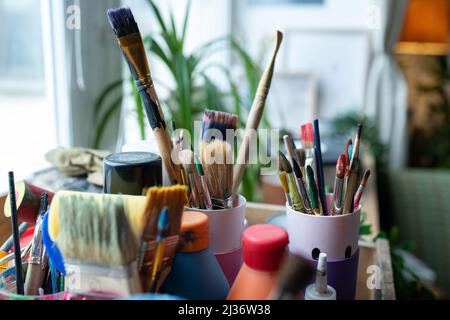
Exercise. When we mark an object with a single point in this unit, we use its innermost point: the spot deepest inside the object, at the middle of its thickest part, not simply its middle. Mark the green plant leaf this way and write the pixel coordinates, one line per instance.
(105, 119)
(140, 113)
(185, 22)
(110, 88)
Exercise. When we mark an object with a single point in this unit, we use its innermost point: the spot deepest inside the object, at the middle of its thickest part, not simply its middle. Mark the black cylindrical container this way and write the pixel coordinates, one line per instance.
(131, 173)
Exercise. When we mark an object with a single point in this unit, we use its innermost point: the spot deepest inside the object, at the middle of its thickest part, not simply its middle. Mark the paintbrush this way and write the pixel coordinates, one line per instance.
(339, 185)
(203, 184)
(320, 175)
(157, 199)
(361, 188)
(301, 160)
(255, 115)
(15, 232)
(285, 166)
(352, 179)
(302, 188)
(8, 244)
(307, 138)
(313, 192)
(347, 156)
(216, 156)
(37, 262)
(187, 160)
(163, 228)
(290, 148)
(295, 274)
(132, 46)
(285, 186)
(98, 245)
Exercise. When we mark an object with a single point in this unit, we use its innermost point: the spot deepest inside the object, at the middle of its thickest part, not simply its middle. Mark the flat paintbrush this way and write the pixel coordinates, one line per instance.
(130, 41)
(361, 188)
(285, 186)
(285, 166)
(163, 229)
(313, 192)
(301, 187)
(255, 115)
(352, 179)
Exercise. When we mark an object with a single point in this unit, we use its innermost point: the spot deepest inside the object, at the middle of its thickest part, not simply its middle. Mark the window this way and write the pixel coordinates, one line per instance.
(26, 128)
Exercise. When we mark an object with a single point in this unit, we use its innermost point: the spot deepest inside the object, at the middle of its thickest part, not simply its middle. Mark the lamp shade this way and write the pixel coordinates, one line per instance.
(426, 28)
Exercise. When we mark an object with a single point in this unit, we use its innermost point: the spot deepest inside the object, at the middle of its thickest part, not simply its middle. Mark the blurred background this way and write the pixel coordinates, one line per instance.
(383, 63)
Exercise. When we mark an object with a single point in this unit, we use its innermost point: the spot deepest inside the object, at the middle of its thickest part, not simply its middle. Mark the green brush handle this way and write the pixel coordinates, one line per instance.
(293, 190)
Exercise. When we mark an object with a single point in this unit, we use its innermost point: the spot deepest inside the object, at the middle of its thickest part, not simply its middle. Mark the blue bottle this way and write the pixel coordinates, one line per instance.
(196, 274)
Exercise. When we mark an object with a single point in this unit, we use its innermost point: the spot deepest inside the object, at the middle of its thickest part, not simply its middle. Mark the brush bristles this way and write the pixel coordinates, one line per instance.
(365, 177)
(283, 180)
(122, 21)
(284, 164)
(215, 122)
(96, 232)
(301, 155)
(217, 161)
(173, 198)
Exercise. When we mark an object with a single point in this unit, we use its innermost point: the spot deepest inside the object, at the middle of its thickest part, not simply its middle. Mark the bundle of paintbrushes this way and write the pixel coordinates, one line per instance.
(302, 178)
(117, 244)
(209, 174)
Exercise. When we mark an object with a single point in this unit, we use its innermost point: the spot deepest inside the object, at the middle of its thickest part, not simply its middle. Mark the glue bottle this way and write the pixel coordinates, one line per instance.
(196, 273)
(264, 246)
(320, 290)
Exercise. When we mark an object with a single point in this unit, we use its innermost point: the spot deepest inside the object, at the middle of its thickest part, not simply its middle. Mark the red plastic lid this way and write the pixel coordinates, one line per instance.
(264, 246)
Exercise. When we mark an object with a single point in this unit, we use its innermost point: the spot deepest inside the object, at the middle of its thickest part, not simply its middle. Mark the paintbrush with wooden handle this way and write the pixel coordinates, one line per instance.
(255, 115)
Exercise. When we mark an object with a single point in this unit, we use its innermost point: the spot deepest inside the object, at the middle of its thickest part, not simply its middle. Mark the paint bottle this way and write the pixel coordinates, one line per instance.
(131, 173)
(196, 273)
(320, 290)
(264, 246)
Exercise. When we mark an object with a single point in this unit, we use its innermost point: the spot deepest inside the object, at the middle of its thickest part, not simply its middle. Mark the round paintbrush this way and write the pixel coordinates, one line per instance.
(255, 115)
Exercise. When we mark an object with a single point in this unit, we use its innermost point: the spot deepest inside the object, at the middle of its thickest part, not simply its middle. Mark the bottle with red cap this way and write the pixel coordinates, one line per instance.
(264, 246)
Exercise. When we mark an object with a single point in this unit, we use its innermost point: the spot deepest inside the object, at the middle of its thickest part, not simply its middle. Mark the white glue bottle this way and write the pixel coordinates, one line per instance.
(320, 290)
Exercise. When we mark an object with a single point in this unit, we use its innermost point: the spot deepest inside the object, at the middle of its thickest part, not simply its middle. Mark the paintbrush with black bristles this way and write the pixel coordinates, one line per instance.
(130, 41)
(285, 166)
(216, 156)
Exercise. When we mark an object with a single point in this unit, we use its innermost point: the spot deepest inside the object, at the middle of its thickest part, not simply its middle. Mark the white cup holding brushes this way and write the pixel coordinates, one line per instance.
(337, 235)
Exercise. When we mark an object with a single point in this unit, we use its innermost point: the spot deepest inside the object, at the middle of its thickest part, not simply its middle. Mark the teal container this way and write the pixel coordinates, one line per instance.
(196, 273)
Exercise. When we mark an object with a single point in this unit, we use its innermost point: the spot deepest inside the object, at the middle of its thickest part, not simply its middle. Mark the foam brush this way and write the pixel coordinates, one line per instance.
(132, 46)
(255, 115)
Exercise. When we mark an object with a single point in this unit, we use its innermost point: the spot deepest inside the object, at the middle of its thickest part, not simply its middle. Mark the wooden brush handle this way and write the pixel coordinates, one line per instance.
(163, 139)
(254, 118)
